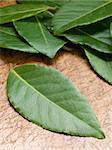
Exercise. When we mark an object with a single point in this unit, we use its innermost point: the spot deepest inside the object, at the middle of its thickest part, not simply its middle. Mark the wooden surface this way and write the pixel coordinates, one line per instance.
(16, 133)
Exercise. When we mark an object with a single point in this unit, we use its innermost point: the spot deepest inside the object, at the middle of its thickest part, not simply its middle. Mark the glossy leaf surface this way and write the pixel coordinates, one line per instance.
(96, 36)
(19, 11)
(48, 2)
(46, 97)
(81, 12)
(37, 35)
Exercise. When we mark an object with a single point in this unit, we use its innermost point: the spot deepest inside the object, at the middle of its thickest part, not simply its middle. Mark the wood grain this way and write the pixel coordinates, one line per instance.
(16, 133)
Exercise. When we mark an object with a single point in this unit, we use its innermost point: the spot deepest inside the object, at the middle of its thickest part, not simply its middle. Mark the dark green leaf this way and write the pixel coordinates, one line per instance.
(96, 35)
(37, 35)
(101, 63)
(46, 97)
(111, 29)
(9, 39)
(55, 2)
(48, 2)
(81, 12)
(19, 11)
(46, 19)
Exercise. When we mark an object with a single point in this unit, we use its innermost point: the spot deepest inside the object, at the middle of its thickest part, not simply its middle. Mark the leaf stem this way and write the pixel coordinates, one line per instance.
(50, 13)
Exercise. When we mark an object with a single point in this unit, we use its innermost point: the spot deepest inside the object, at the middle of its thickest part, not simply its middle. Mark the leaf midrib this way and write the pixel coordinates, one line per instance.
(8, 33)
(93, 37)
(16, 74)
(106, 3)
(42, 32)
(33, 10)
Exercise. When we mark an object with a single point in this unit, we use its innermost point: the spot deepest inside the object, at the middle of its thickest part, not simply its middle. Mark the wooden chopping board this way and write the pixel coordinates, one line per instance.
(16, 133)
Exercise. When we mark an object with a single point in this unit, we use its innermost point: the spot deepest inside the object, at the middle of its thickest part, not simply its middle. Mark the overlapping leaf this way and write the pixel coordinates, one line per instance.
(101, 63)
(55, 2)
(111, 29)
(19, 11)
(10, 39)
(37, 35)
(96, 35)
(41, 94)
(81, 12)
(46, 97)
(48, 2)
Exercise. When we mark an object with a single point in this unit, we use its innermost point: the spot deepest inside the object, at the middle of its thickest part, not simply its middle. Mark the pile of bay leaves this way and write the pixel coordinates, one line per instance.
(42, 94)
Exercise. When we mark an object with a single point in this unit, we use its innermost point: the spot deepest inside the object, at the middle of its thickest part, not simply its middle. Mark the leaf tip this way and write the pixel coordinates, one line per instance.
(101, 135)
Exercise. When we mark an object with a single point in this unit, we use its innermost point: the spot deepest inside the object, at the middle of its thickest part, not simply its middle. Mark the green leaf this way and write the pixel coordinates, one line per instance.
(81, 12)
(57, 3)
(37, 35)
(46, 19)
(101, 63)
(19, 11)
(111, 29)
(96, 36)
(9, 39)
(46, 97)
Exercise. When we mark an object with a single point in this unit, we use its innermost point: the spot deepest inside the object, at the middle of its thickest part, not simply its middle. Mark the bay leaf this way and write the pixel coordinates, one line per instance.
(46, 97)
(19, 11)
(37, 35)
(56, 3)
(101, 63)
(82, 12)
(111, 29)
(11, 40)
(96, 35)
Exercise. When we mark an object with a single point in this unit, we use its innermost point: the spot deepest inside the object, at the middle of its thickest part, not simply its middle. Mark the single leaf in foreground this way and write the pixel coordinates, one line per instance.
(19, 11)
(37, 35)
(81, 12)
(96, 36)
(10, 39)
(101, 63)
(46, 97)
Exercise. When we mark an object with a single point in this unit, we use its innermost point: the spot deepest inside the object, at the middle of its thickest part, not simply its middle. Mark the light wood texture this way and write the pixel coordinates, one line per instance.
(16, 133)
(7, 2)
